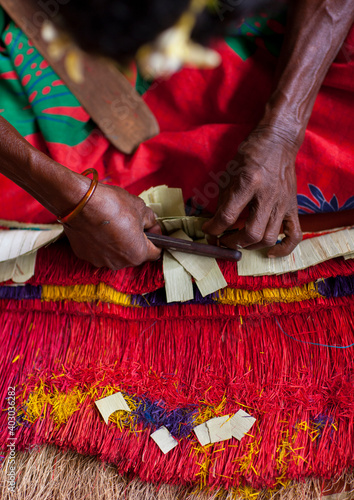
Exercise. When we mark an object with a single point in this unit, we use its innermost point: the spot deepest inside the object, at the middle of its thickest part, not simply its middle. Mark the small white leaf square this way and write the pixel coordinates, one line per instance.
(164, 440)
(110, 404)
(219, 429)
(202, 433)
(241, 423)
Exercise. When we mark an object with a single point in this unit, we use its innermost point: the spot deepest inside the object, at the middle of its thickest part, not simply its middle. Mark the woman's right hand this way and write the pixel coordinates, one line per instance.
(109, 232)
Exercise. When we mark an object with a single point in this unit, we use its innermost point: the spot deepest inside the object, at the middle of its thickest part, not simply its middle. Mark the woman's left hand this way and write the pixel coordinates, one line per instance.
(263, 178)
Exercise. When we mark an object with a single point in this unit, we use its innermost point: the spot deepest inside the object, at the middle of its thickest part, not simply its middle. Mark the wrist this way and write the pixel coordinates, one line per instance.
(281, 121)
(83, 202)
(56, 187)
(279, 132)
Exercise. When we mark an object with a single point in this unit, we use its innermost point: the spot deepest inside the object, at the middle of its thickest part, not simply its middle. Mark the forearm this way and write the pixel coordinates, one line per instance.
(315, 33)
(264, 177)
(109, 231)
(56, 187)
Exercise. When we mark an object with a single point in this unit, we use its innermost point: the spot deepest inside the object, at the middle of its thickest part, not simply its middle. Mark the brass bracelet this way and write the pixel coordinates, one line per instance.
(85, 199)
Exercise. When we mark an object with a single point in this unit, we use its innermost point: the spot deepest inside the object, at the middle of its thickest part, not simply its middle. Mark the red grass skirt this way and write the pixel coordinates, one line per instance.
(179, 365)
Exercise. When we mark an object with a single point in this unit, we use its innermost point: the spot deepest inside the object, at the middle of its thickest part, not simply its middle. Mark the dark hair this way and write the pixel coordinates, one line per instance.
(118, 28)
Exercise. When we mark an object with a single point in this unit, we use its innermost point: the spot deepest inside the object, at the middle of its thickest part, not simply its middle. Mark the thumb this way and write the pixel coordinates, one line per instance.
(149, 218)
(225, 217)
(150, 223)
(152, 252)
(218, 224)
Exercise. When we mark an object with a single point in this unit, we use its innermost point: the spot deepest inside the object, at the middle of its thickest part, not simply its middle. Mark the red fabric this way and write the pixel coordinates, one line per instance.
(203, 116)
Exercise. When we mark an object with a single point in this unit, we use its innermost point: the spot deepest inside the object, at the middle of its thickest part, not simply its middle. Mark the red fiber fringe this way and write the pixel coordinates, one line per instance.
(149, 277)
(192, 354)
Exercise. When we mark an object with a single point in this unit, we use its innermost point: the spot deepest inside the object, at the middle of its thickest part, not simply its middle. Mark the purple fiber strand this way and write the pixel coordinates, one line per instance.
(339, 286)
(20, 292)
(158, 298)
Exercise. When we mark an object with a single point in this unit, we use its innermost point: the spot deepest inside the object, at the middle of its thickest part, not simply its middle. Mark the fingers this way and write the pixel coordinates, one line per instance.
(156, 229)
(149, 217)
(227, 214)
(152, 252)
(149, 220)
(293, 236)
(262, 231)
(140, 250)
(271, 234)
(253, 233)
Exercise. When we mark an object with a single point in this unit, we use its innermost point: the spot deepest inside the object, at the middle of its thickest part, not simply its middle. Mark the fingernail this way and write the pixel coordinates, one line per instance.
(271, 256)
(239, 247)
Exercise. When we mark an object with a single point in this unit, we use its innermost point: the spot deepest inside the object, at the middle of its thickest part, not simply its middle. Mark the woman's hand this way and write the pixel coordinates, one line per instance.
(262, 178)
(110, 230)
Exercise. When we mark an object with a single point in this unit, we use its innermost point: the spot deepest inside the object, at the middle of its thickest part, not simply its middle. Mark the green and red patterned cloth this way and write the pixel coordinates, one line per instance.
(203, 114)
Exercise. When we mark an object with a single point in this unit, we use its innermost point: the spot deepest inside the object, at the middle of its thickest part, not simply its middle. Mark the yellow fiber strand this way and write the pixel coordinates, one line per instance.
(123, 420)
(207, 411)
(203, 473)
(234, 296)
(287, 452)
(64, 405)
(245, 406)
(86, 293)
(36, 404)
(108, 294)
(245, 463)
(61, 406)
(245, 492)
